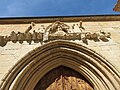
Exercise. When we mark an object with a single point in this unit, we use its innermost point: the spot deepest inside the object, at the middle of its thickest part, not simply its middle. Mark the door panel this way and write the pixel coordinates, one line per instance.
(63, 78)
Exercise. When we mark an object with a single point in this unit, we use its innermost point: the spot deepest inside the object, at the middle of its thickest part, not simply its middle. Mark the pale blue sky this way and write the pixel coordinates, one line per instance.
(19, 8)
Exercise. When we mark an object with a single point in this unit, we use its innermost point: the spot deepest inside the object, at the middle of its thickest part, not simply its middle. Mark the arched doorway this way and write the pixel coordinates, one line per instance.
(63, 78)
(29, 70)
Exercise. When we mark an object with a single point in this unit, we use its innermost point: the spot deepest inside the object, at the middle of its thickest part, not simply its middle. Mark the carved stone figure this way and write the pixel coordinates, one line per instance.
(94, 37)
(7, 38)
(80, 26)
(84, 40)
(40, 36)
(32, 24)
(34, 37)
(3, 41)
(80, 23)
(102, 32)
(54, 27)
(108, 35)
(88, 35)
(30, 27)
(28, 37)
(21, 37)
(13, 37)
(73, 26)
(103, 38)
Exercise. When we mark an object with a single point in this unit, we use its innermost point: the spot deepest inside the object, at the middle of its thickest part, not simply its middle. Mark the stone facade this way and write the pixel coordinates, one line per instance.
(106, 29)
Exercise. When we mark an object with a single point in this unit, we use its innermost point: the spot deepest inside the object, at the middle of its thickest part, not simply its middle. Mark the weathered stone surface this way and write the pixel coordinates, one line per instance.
(13, 52)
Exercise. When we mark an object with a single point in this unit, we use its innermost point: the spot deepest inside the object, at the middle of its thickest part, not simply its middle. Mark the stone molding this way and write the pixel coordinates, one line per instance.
(86, 18)
(27, 72)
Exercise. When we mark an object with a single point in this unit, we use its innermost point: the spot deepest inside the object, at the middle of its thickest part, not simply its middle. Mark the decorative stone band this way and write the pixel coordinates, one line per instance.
(27, 72)
(40, 37)
(54, 31)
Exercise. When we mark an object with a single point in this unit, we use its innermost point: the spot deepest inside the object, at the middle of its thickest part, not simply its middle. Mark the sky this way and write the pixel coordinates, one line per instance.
(31, 8)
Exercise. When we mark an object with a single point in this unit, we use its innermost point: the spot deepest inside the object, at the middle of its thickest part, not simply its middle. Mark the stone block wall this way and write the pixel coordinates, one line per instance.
(12, 52)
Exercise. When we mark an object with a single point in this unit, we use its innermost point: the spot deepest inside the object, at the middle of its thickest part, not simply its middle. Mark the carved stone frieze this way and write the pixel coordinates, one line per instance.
(56, 30)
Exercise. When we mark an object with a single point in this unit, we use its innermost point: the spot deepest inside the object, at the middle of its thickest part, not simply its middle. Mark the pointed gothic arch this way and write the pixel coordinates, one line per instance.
(32, 67)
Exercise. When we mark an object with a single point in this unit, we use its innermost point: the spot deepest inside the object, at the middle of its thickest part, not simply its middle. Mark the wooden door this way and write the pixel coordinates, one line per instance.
(63, 78)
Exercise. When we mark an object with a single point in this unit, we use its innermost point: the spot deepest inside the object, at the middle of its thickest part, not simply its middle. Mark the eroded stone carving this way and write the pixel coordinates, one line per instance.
(55, 31)
(92, 36)
(28, 37)
(21, 37)
(34, 36)
(104, 36)
(30, 27)
(84, 39)
(81, 26)
(13, 37)
(3, 41)
(54, 27)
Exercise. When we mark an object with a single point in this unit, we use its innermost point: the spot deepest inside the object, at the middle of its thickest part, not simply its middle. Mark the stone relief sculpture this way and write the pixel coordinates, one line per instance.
(13, 37)
(92, 36)
(30, 27)
(28, 37)
(3, 41)
(81, 26)
(55, 31)
(57, 25)
(21, 37)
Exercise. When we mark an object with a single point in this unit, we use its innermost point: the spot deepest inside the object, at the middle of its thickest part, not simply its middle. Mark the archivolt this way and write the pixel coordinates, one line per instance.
(33, 66)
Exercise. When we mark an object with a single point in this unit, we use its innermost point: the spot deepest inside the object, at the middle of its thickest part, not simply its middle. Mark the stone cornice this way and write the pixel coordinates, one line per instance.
(25, 20)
